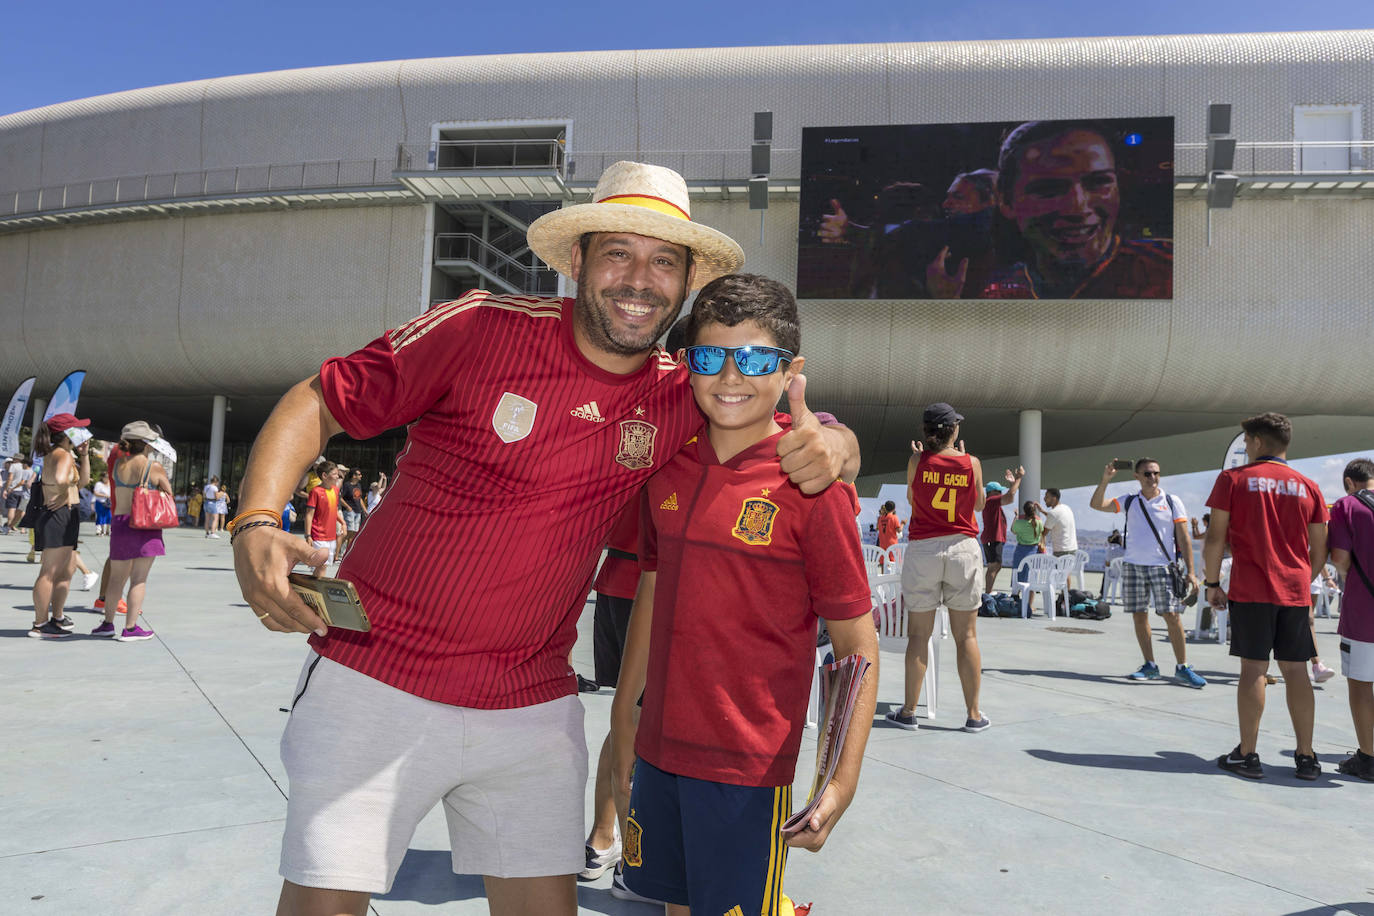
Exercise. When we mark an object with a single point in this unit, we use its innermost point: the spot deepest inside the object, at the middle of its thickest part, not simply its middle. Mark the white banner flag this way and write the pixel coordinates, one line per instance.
(14, 418)
(1235, 454)
(65, 397)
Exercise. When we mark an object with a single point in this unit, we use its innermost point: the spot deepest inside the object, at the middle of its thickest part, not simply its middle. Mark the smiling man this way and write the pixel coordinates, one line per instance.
(1058, 183)
(522, 411)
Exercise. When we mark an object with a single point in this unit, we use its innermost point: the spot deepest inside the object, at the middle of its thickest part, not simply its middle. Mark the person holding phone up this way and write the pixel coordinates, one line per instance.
(1156, 533)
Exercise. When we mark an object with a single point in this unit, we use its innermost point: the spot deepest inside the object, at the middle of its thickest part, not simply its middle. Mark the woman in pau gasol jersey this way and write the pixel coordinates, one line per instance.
(944, 562)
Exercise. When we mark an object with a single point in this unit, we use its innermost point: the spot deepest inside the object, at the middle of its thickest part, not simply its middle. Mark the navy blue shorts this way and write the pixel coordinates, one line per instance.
(711, 846)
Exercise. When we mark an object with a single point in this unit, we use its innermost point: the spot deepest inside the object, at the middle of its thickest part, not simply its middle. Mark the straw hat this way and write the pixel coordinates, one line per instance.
(140, 430)
(646, 200)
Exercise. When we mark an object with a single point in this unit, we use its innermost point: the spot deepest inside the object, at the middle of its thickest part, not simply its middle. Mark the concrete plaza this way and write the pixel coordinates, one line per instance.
(144, 778)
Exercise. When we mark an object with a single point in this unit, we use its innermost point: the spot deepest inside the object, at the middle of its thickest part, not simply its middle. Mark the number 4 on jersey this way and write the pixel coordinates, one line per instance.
(944, 499)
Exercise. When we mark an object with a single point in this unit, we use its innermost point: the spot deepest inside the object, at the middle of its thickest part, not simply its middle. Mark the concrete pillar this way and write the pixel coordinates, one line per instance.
(217, 436)
(1030, 456)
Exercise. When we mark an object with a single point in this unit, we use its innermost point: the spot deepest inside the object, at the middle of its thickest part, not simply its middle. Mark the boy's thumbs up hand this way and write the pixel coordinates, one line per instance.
(811, 455)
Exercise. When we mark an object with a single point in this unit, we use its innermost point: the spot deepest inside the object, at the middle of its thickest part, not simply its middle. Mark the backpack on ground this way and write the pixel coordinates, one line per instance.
(1007, 605)
(988, 606)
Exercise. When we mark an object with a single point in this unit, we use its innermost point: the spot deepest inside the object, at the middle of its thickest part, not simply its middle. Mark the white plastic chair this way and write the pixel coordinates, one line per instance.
(889, 616)
(873, 559)
(894, 556)
(1111, 582)
(1041, 577)
(1080, 569)
(1064, 567)
(1220, 618)
(1326, 596)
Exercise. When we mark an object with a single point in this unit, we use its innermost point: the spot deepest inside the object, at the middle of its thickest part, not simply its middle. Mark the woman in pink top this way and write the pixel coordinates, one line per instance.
(132, 550)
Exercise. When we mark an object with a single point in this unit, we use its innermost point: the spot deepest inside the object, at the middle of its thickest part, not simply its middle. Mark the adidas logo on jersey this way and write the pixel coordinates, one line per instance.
(588, 411)
(670, 503)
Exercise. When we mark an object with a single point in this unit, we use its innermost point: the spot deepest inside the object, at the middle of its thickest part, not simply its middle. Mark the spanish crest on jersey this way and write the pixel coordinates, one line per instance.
(755, 522)
(636, 444)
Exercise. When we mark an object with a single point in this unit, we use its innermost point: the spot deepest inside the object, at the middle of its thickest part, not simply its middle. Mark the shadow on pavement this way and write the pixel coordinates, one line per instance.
(426, 876)
(1179, 762)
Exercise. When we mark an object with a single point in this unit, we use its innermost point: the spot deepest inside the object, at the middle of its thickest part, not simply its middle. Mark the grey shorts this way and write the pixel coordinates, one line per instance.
(367, 762)
(352, 520)
(1142, 586)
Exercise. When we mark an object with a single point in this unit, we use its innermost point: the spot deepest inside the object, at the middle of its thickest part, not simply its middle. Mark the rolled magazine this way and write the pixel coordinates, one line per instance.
(839, 690)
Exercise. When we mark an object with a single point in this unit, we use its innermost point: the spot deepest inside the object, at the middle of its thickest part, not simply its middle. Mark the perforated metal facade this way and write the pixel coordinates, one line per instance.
(1274, 313)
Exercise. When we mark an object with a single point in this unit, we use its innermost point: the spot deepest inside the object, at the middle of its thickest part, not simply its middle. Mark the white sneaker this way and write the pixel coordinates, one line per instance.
(91, 579)
(620, 892)
(214, 535)
(598, 861)
(1321, 674)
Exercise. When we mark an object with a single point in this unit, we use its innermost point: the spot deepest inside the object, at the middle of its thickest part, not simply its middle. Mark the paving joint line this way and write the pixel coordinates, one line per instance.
(135, 839)
(223, 718)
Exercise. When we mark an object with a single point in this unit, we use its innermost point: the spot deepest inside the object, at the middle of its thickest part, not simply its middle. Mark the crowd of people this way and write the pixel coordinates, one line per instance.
(44, 495)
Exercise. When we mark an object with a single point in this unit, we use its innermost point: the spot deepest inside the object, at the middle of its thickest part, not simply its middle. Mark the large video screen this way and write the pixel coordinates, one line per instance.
(1005, 210)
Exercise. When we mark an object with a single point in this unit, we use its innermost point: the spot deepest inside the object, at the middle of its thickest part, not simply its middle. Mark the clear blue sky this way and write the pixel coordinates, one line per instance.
(56, 51)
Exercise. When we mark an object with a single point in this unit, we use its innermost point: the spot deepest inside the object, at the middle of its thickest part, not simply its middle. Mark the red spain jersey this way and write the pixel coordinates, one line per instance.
(1271, 506)
(510, 429)
(746, 563)
(324, 523)
(942, 496)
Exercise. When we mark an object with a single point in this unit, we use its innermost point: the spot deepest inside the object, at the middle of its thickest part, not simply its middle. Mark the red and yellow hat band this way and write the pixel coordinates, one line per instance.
(657, 204)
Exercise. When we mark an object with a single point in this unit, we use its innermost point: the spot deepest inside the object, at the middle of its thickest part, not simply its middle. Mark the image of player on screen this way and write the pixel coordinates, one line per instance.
(1058, 185)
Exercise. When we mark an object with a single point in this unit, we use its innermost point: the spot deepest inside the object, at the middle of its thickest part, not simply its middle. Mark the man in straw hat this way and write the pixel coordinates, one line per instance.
(521, 411)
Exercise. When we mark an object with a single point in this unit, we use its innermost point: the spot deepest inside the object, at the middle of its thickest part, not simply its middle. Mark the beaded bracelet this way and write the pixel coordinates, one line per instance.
(242, 528)
(242, 515)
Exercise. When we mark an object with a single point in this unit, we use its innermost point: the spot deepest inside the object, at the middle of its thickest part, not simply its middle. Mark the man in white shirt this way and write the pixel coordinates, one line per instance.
(1061, 531)
(1156, 532)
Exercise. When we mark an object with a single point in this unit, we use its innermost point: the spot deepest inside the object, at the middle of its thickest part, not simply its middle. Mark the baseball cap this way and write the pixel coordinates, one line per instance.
(995, 487)
(61, 422)
(138, 429)
(941, 414)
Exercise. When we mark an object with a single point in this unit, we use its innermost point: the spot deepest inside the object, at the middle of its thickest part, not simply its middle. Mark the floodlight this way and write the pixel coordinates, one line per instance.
(1221, 154)
(1221, 191)
(758, 193)
(1218, 119)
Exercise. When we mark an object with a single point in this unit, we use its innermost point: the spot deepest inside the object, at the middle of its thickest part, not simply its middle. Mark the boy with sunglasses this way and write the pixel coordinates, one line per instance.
(722, 649)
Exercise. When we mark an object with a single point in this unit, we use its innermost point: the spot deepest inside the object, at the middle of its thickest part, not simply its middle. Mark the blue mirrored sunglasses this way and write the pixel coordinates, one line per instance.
(749, 361)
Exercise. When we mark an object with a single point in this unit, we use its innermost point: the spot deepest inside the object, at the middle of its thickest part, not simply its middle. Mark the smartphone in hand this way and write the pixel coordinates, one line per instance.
(335, 600)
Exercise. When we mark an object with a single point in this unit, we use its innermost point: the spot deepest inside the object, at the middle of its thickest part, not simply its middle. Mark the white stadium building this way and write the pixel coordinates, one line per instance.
(200, 247)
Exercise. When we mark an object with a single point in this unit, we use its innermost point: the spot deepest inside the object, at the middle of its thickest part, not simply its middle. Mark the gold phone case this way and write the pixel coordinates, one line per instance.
(335, 600)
